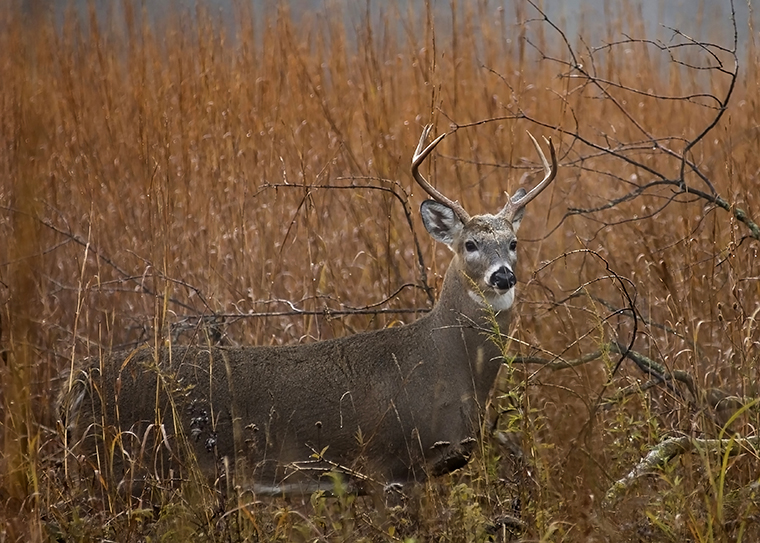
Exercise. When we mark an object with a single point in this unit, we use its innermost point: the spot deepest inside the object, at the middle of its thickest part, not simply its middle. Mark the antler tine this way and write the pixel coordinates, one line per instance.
(419, 157)
(550, 170)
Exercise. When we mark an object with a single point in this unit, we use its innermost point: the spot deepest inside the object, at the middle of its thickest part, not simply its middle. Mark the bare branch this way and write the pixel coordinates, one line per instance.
(668, 449)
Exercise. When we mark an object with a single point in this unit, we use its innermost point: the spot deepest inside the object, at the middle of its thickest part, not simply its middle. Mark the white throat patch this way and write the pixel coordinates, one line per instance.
(499, 302)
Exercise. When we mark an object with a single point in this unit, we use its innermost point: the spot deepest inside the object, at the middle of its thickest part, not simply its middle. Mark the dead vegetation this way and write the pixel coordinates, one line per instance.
(169, 181)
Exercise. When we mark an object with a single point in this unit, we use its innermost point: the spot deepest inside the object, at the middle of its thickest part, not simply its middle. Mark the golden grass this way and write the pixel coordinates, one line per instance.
(152, 173)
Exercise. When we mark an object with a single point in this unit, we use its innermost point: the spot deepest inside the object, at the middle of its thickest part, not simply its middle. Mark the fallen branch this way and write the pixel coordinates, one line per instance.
(666, 450)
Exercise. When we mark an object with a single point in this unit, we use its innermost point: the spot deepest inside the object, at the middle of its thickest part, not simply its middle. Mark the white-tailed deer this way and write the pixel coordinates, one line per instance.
(389, 406)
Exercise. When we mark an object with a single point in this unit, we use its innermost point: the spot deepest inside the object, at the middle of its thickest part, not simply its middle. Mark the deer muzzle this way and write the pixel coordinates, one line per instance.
(502, 279)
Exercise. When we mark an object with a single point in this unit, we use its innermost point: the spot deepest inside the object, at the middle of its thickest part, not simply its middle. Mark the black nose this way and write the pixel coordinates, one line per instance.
(503, 279)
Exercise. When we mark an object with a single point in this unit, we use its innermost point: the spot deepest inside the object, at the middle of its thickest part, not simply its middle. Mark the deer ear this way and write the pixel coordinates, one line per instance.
(507, 213)
(441, 221)
(518, 216)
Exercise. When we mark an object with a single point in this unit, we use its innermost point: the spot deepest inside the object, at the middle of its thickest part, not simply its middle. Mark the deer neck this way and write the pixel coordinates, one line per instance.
(474, 331)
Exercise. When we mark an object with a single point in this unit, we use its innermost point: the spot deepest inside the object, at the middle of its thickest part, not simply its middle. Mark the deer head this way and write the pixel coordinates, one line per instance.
(484, 246)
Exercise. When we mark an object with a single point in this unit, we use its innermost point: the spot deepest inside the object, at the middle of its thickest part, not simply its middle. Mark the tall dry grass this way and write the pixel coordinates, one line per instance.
(158, 172)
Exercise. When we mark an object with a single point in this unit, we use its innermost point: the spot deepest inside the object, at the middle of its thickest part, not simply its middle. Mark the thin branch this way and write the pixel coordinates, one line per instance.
(403, 200)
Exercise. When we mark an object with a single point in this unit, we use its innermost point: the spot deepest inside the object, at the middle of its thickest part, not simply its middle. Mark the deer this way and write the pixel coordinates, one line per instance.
(388, 407)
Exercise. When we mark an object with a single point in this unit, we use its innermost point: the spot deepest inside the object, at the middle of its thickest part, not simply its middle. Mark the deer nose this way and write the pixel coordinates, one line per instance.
(503, 279)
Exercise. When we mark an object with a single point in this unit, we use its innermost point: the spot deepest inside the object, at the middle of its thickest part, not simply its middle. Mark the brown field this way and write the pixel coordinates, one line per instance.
(171, 182)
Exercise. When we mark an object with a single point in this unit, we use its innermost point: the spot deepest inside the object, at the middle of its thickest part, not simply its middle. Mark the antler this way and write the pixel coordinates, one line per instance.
(419, 157)
(551, 172)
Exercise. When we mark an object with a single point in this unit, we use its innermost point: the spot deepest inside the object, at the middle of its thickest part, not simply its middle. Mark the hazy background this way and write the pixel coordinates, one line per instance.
(699, 18)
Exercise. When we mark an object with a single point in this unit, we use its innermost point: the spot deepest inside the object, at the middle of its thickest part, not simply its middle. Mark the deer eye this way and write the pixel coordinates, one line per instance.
(513, 245)
(470, 246)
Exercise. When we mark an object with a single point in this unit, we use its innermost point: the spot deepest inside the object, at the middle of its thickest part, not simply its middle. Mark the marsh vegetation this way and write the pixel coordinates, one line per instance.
(166, 182)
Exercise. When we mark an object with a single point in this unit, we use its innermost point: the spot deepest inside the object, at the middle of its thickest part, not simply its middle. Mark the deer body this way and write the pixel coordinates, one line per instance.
(391, 406)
